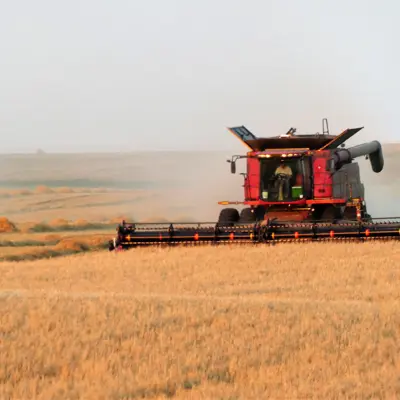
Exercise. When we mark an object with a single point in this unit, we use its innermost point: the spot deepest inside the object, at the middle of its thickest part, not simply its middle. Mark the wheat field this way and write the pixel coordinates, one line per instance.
(266, 322)
(288, 321)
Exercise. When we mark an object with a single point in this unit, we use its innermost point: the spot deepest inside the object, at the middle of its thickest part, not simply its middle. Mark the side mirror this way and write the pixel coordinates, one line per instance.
(233, 166)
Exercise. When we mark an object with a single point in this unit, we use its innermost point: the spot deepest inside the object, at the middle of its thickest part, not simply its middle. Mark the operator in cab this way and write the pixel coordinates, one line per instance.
(283, 173)
(284, 169)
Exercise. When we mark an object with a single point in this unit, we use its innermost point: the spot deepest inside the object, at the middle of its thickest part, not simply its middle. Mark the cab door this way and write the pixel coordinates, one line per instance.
(253, 178)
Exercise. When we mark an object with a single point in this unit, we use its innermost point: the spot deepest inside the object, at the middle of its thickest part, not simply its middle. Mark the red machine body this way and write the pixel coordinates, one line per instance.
(324, 183)
(322, 177)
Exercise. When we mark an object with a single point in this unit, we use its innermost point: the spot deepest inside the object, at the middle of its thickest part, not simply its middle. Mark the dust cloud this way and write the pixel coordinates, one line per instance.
(184, 186)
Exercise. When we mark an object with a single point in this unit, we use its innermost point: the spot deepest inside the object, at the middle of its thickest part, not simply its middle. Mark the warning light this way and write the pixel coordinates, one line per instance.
(196, 236)
(231, 236)
(296, 235)
(367, 232)
(331, 234)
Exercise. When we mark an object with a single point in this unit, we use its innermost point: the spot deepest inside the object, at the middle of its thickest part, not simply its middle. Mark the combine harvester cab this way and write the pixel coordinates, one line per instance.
(296, 188)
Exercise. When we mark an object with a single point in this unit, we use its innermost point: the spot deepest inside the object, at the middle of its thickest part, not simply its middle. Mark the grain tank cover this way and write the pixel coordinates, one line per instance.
(244, 135)
(340, 139)
(291, 140)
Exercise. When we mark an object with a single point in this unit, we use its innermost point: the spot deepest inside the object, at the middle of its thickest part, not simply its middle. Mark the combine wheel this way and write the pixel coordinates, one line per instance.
(247, 216)
(350, 214)
(331, 214)
(228, 217)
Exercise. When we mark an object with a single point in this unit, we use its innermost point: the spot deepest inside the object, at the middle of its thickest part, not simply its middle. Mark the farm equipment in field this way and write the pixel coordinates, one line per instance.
(296, 188)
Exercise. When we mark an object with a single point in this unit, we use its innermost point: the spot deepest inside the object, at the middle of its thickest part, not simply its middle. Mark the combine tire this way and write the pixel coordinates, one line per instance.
(350, 214)
(247, 216)
(331, 214)
(228, 217)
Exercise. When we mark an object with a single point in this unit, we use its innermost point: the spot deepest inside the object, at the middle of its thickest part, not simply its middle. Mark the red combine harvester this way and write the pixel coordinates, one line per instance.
(302, 178)
(297, 187)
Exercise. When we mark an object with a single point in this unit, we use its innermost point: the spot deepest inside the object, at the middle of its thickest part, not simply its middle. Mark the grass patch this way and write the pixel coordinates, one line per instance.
(50, 253)
(63, 247)
(25, 243)
(47, 228)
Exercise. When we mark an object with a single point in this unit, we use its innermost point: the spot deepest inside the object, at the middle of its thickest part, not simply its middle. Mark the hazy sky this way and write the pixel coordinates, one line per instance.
(139, 75)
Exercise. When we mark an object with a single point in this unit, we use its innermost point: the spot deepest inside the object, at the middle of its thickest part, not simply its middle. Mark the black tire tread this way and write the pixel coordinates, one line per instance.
(247, 216)
(228, 216)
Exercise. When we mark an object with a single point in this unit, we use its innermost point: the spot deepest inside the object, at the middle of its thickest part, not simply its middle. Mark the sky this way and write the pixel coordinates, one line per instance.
(127, 75)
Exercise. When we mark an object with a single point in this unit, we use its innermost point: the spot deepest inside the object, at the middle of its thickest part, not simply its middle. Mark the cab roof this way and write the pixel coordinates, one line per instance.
(291, 140)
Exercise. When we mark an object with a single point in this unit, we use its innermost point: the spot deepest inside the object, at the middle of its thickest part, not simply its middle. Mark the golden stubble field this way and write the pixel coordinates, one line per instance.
(281, 322)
